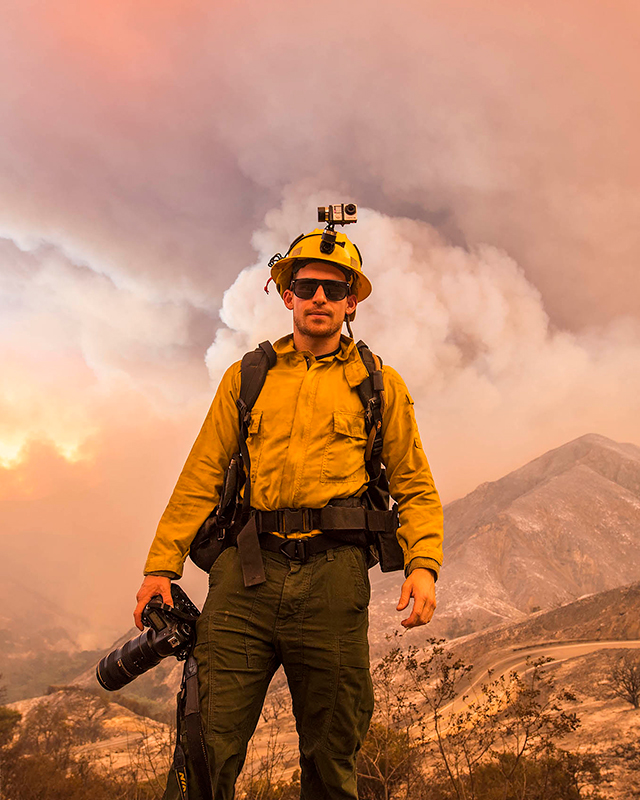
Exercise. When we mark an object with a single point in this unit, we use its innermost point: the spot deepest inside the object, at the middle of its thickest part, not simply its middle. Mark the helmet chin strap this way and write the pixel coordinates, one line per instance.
(346, 319)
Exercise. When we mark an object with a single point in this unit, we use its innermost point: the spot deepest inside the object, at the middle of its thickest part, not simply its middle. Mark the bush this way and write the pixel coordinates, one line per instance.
(625, 679)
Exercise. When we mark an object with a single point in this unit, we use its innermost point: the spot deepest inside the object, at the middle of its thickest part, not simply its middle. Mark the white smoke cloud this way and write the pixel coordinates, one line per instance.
(72, 342)
(149, 140)
(142, 144)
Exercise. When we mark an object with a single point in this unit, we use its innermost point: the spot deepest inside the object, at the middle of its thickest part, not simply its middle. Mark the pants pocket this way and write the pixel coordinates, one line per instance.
(358, 567)
(354, 698)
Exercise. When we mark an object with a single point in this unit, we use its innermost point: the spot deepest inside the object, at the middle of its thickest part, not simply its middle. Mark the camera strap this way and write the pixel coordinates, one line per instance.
(189, 718)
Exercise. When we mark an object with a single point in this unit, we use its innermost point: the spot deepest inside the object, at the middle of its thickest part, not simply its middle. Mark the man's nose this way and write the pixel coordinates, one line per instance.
(319, 296)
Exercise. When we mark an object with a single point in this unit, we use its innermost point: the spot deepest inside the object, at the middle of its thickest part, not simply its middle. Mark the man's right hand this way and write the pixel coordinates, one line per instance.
(151, 585)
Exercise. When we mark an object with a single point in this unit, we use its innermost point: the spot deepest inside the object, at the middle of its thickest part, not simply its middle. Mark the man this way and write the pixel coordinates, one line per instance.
(306, 442)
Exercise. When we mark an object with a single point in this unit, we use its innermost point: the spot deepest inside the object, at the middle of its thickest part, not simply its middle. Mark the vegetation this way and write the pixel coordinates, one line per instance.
(624, 679)
(30, 676)
(40, 757)
(500, 741)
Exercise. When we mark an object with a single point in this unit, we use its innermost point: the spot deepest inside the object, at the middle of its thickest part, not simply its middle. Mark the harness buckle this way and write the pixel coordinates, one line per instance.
(295, 550)
(294, 519)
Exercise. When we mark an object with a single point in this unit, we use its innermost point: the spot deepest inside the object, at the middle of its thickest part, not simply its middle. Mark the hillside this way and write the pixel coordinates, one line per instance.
(584, 639)
(38, 642)
(564, 525)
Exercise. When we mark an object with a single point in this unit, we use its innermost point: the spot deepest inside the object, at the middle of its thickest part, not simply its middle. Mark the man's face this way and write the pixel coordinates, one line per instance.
(319, 317)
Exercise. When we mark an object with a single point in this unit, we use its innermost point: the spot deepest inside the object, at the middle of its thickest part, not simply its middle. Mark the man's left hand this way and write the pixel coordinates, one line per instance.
(421, 586)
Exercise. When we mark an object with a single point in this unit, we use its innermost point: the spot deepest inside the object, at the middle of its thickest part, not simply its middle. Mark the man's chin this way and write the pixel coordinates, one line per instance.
(319, 327)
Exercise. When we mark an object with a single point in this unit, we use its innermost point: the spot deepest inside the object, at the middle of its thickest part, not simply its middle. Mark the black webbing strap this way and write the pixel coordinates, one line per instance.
(188, 715)
(253, 373)
(339, 525)
(193, 728)
(249, 553)
(179, 758)
(330, 519)
(303, 549)
(371, 392)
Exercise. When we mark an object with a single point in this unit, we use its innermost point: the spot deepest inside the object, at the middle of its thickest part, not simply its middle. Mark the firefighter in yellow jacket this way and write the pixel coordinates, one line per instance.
(306, 443)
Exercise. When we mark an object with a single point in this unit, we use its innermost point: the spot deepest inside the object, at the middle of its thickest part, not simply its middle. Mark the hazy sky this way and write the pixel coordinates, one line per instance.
(154, 155)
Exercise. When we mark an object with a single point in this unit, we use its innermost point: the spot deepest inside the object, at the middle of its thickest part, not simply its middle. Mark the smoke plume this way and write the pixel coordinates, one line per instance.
(153, 156)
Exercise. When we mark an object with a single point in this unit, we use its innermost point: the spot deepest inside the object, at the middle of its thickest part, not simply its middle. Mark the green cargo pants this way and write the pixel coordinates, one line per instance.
(312, 618)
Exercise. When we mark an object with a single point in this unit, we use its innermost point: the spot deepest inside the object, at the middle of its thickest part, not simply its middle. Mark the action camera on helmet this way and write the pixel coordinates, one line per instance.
(340, 214)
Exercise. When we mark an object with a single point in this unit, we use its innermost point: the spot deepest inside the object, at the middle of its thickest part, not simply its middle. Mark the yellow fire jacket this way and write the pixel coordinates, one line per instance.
(306, 444)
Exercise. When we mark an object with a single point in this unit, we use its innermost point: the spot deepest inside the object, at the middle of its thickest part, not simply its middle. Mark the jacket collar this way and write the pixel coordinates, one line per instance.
(354, 370)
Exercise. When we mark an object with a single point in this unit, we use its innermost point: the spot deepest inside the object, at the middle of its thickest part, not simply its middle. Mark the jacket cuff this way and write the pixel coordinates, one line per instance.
(424, 563)
(164, 573)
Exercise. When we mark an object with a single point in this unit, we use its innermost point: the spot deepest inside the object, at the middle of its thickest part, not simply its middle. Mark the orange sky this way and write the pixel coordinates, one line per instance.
(152, 152)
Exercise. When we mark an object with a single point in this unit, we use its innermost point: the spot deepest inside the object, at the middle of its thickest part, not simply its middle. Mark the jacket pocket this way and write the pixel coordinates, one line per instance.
(343, 458)
(255, 439)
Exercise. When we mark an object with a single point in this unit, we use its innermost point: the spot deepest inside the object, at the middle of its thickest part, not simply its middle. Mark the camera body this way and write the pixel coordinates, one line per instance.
(170, 631)
(339, 214)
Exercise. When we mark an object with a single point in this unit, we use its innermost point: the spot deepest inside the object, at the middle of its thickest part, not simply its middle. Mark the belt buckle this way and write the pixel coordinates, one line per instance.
(299, 550)
(294, 519)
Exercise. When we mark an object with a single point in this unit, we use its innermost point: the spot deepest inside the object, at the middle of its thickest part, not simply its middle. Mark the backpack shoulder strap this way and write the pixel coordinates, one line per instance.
(253, 373)
(371, 392)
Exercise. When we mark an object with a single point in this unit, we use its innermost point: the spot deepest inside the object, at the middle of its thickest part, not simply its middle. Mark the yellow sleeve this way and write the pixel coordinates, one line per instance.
(410, 480)
(198, 488)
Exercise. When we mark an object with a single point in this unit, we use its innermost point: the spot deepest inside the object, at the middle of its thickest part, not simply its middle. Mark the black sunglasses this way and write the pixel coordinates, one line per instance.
(306, 288)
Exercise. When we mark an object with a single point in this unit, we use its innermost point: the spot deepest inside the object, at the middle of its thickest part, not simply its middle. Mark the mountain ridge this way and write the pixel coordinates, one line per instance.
(561, 526)
(540, 470)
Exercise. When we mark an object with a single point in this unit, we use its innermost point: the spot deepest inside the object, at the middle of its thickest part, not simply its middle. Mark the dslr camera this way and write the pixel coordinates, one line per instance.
(339, 214)
(170, 631)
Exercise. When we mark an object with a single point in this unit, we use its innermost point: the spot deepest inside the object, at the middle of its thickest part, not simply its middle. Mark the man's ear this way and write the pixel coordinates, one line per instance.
(287, 298)
(352, 302)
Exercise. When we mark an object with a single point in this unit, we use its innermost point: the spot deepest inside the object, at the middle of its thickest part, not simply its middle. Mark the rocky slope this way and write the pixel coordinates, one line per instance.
(562, 526)
(611, 616)
(85, 733)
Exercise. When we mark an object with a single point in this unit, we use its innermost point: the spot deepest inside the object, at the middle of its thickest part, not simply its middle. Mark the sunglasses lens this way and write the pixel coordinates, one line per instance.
(335, 291)
(306, 288)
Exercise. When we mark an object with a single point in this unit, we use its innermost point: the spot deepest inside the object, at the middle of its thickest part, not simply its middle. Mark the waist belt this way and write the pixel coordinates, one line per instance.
(329, 518)
(340, 524)
(303, 549)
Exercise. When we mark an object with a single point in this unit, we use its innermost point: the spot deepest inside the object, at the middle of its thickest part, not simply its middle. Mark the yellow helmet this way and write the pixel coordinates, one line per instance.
(306, 247)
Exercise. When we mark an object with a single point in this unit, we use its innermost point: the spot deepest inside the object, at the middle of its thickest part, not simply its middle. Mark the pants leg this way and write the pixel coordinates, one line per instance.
(236, 661)
(311, 617)
(324, 649)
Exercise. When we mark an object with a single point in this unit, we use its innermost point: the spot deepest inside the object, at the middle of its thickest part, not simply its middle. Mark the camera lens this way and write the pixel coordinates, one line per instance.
(350, 209)
(172, 633)
(125, 663)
